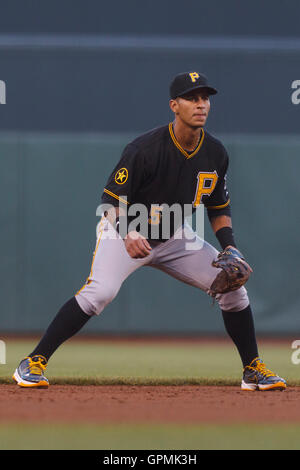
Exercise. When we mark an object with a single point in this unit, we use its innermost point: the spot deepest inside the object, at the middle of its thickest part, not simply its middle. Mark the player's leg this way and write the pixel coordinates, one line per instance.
(189, 259)
(68, 321)
(111, 265)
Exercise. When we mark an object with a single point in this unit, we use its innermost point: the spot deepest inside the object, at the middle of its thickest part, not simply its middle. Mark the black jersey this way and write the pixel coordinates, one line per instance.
(155, 171)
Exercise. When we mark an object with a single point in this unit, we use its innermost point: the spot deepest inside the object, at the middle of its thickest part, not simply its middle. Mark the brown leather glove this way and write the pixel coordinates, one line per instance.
(235, 272)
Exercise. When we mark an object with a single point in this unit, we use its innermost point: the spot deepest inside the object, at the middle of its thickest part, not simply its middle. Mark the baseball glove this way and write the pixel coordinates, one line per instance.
(235, 272)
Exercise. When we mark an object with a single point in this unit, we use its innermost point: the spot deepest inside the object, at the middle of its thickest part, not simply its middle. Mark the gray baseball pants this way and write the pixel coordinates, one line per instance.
(185, 257)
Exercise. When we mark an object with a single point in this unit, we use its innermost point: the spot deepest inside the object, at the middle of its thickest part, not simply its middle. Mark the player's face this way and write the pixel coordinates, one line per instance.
(192, 109)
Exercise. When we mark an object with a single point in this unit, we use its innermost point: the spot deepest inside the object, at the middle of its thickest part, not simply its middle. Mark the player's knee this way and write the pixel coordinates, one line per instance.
(95, 297)
(233, 301)
(105, 295)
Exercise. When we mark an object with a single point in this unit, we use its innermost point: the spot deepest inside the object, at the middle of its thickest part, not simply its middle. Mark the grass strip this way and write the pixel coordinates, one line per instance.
(136, 381)
(146, 436)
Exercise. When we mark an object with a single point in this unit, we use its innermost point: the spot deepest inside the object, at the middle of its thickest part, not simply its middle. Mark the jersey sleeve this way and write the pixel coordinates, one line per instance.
(219, 201)
(125, 179)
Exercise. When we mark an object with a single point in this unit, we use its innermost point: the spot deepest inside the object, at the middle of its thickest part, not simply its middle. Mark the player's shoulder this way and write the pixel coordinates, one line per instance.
(149, 138)
(215, 143)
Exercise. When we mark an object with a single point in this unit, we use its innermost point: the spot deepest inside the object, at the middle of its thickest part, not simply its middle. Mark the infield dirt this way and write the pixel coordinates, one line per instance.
(155, 404)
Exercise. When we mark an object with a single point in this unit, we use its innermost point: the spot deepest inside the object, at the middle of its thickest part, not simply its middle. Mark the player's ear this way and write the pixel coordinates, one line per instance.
(173, 105)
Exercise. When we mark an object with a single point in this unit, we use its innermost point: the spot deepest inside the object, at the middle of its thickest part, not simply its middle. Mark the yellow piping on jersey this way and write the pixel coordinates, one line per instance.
(115, 196)
(187, 155)
(219, 207)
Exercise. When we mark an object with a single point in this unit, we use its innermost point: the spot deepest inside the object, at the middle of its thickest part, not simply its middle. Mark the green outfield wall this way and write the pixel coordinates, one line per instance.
(51, 185)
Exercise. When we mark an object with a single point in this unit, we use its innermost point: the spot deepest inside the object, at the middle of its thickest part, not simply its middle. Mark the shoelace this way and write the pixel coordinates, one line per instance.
(36, 367)
(261, 368)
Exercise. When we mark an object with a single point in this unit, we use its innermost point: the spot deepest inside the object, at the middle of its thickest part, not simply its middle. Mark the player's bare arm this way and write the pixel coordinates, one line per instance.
(220, 222)
(224, 221)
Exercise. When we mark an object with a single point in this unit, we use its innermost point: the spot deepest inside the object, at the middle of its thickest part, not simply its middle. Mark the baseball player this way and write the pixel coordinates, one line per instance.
(178, 165)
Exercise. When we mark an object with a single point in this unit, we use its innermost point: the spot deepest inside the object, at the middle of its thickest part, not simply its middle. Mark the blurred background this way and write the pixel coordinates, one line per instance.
(82, 78)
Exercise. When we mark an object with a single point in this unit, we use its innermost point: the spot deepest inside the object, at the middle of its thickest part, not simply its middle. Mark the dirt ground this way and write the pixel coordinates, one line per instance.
(155, 404)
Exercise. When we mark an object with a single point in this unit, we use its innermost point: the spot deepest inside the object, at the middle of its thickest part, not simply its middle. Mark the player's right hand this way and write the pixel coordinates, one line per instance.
(136, 245)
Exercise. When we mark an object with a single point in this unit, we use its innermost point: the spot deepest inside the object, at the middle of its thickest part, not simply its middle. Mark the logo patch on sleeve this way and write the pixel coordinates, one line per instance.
(121, 176)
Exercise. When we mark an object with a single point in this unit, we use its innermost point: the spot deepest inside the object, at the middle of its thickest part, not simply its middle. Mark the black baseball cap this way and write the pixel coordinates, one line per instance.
(185, 82)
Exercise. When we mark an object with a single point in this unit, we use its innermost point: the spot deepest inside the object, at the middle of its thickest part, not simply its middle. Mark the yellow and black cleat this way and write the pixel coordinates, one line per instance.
(257, 377)
(30, 373)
